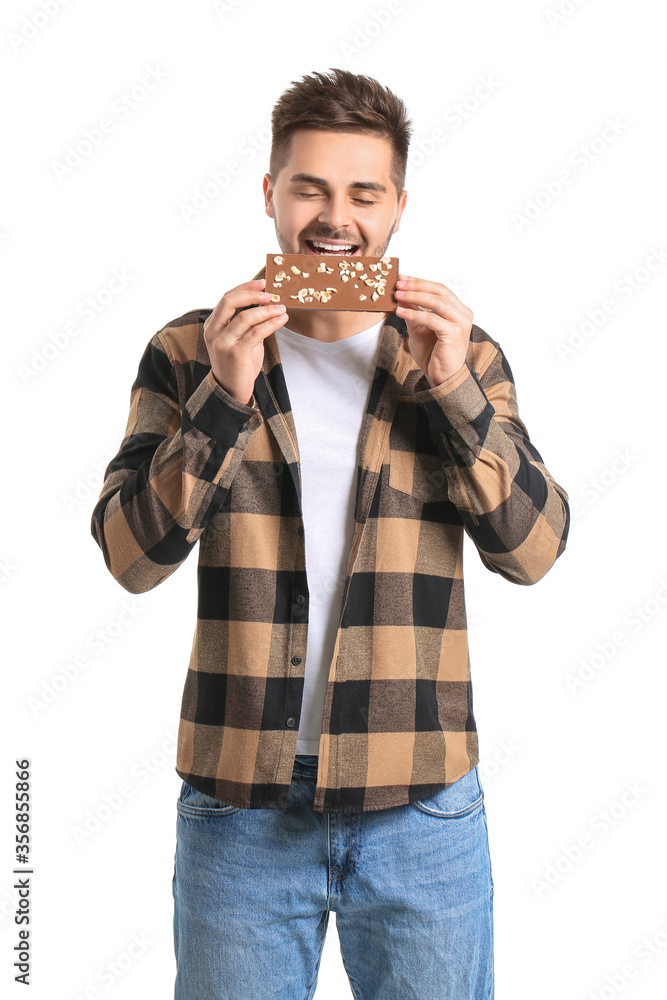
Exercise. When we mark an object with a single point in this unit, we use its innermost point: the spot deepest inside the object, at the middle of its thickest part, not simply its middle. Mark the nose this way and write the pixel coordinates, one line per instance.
(334, 213)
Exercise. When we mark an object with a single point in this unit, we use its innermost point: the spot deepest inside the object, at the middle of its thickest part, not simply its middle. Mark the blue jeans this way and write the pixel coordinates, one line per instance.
(411, 887)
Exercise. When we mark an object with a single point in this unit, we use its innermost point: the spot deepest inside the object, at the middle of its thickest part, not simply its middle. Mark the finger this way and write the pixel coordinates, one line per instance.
(421, 315)
(250, 318)
(405, 282)
(241, 321)
(427, 300)
(252, 335)
(429, 319)
(247, 294)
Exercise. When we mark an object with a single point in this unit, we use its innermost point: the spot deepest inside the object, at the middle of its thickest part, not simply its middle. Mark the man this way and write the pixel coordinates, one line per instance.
(329, 463)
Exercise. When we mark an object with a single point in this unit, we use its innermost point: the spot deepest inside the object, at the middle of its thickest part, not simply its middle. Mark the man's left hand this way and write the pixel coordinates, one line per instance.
(440, 332)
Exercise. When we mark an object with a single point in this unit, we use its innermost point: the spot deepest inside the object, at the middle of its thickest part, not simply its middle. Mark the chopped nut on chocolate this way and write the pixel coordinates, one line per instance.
(358, 282)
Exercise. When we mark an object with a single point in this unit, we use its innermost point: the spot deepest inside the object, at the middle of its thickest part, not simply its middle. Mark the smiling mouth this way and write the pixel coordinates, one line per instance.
(322, 248)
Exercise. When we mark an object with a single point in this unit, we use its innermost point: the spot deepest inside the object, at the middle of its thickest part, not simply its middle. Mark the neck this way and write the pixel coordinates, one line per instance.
(332, 324)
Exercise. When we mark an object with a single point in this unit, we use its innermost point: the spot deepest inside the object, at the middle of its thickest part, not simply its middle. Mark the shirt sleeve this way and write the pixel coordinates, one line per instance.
(171, 474)
(511, 506)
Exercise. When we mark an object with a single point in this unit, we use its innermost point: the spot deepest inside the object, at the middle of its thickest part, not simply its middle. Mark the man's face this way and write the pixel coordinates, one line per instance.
(321, 194)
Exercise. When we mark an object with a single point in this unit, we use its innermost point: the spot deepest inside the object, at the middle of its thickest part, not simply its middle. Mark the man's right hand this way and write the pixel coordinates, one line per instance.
(236, 346)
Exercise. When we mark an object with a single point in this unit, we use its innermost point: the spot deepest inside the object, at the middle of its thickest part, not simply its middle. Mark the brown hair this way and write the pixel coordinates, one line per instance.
(343, 102)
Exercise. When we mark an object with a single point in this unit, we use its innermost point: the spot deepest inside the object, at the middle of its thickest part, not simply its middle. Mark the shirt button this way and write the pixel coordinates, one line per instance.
(244, 427)
(296, 660)
(290, 722)
(300, 598)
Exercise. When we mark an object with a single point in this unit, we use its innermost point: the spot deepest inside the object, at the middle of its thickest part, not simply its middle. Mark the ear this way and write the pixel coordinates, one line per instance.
(267, 187)
(399, 212)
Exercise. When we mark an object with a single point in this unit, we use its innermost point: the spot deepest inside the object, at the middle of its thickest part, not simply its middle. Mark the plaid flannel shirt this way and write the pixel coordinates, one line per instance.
(433, 463)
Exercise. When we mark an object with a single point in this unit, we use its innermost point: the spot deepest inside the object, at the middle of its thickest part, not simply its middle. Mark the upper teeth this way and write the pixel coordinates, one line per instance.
(332, 246)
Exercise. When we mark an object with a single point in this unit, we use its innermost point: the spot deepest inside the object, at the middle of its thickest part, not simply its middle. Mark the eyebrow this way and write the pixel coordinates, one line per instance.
(310, 179)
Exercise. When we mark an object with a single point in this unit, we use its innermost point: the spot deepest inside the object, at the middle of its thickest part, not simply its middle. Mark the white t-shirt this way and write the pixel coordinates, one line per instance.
(328, 387)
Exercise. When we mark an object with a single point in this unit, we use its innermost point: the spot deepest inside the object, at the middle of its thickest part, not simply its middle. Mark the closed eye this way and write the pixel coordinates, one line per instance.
(312, 194)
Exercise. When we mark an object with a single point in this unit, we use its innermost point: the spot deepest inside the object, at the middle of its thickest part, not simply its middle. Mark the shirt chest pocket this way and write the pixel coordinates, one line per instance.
(415, 465)
(420, 475)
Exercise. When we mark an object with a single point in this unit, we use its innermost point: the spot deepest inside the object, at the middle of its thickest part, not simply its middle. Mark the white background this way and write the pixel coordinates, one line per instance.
(553, 759)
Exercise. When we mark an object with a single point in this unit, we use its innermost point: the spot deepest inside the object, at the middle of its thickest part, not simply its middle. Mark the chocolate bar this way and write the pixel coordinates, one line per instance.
(327, 281)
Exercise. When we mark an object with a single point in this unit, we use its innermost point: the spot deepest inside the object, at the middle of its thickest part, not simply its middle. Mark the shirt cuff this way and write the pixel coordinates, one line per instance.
(457, 401)
(214, 411)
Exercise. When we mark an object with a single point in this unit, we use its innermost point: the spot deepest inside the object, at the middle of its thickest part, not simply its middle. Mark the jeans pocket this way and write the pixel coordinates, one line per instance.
(462, 798)
(192, 802)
